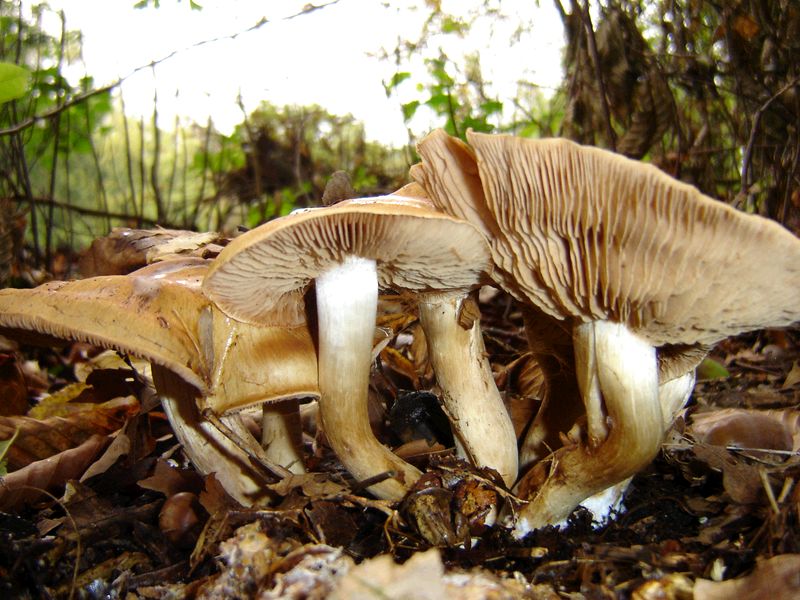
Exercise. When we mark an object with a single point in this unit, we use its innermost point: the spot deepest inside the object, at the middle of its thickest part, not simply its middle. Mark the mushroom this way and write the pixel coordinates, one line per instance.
(633, 263)
(350, 250)
(201, 359)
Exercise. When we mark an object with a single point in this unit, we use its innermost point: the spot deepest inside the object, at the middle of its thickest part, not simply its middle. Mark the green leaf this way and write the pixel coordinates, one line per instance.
(441, 76)
(440, 103)
(451, 25)
(711, 369)
(477, 124)
(492, 106)
(4, 446)
(398, 78)
(409, 109)
(14, 81)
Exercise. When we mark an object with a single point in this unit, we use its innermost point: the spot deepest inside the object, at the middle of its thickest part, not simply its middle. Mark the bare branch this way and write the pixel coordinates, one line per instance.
(592, 45)
(309, 8)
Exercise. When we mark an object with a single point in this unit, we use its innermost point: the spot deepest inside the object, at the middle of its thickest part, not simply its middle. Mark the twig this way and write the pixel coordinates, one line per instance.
(787, 194)
(592, 44)
(768, 489)
(248, 444)
(93, 212)
(744, 191)
(309, 8)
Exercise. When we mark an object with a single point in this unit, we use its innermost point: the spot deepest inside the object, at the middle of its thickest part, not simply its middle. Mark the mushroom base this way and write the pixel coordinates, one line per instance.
(618, 377)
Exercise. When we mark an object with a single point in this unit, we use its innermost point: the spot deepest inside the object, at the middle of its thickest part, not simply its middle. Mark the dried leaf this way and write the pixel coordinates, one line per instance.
(394, 360)
(107, 570)
(793, 377)
(125, 250)
(171, 480)
(745, 26)
(775, 578)
(13, 389)
(39, 439)
(313, 485)
(741, 480)
(332, 522)
(742, 428)
(120, 446)
(26, 484)
(420, 578)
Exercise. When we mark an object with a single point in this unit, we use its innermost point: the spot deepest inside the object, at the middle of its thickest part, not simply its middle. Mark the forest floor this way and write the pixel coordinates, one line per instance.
(716, 515)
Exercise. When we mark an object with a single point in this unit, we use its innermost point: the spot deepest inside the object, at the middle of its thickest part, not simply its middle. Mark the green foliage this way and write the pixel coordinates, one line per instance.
(711, 369)
(452, 87)
(157, 4)
(14, 81)
(4, 446)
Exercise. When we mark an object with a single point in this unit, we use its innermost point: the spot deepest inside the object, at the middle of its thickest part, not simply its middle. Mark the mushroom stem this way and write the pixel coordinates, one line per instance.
(282, 434)
(347, 300)
(621, 367)
(208, 449)
(673, 396)
(481, 424)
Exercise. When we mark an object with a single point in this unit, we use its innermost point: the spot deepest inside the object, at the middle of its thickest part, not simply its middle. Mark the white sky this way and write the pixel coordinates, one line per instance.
(317, 58)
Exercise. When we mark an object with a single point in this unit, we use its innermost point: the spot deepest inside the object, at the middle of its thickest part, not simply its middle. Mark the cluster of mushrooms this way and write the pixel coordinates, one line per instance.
(625, 277)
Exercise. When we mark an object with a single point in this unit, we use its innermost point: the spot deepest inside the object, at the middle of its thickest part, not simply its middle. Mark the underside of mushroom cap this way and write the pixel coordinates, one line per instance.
(160, 314)
(585, 233)
(263, 274)
(147, 315)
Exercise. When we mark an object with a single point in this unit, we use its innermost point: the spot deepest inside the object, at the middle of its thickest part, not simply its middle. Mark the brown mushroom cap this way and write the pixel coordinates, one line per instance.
(416, 248)
(585, 233)
(159, 313)
(141, 314)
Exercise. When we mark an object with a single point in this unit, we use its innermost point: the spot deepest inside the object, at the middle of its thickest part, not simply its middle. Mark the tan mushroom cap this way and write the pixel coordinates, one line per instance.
(132, 314)
(160, 314)
(266, 271)
(585, 233)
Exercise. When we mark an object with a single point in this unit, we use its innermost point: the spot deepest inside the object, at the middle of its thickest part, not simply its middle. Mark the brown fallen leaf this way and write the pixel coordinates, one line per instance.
(39, 439)
(125, 250)
(394, 360)
(26, 484)
(423, 577)
(120, 446)
(170, 480)
(793, 377)
(777, 578)
(741, 480)
(313, 485)
(742, 428)
(13, 389)
(419, 578)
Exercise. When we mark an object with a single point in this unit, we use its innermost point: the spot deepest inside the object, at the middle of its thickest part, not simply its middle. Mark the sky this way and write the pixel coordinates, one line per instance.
(325, 57)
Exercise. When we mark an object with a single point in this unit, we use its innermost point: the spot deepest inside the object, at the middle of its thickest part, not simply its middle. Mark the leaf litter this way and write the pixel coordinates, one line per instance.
(100, 500)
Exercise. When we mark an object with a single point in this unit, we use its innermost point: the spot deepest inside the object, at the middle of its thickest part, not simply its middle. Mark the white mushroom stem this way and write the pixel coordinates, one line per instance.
(481, 424)
(208, 449)
(618, 377)
(347, 300)
(673, 396)
(282, 434)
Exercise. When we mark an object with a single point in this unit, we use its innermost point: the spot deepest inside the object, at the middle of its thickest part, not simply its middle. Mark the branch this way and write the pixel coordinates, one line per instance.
(93, 212)
(744, 190)
(308, 8)
(592, 44)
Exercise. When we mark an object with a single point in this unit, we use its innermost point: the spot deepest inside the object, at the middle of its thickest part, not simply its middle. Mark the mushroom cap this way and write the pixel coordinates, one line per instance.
(160, 314)
(586, 234)
(263, 274)
(145, 314)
